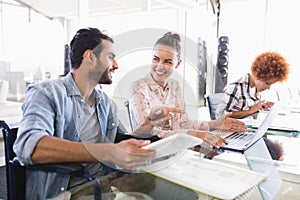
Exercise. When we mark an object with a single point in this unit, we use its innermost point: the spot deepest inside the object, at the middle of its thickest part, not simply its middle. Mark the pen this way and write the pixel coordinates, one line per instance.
(162, 158)
(295, 134)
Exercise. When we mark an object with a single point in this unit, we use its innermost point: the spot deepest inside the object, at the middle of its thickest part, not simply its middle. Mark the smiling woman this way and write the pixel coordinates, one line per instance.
(159, 89)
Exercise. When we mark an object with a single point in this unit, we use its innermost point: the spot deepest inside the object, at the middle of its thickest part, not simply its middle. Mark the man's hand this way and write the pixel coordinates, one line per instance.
(129, 154)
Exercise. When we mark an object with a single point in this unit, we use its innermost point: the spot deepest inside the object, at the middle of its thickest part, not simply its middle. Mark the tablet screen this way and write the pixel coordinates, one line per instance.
(173, 144)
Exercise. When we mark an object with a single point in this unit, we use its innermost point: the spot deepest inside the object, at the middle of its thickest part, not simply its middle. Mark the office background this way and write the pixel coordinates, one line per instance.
(32, 39)
(33, 34)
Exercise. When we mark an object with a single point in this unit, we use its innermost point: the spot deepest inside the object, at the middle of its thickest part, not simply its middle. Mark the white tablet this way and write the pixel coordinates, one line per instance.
(173, 144)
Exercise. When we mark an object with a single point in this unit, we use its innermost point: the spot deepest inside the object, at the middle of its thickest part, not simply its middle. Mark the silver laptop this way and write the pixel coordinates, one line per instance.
(240, 141)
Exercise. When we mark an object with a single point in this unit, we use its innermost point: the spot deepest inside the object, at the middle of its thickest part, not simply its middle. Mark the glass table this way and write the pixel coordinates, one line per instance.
(152, 185)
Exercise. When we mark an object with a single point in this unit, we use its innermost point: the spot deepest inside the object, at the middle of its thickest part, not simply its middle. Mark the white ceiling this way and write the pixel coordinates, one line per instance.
(69, 8)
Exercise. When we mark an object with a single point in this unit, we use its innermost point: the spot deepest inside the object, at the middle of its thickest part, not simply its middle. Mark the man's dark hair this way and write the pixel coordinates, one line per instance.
(84, 39)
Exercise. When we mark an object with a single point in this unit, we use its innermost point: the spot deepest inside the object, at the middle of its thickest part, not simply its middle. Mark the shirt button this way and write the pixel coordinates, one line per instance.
(62, 189)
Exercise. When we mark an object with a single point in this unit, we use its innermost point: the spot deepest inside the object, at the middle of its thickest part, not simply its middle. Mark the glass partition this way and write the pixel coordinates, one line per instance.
(31, 47)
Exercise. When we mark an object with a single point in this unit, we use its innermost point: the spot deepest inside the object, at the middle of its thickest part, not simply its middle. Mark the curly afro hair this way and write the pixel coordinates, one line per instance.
(270, 66)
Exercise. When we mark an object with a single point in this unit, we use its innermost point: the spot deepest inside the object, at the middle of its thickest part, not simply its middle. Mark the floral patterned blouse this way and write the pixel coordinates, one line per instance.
(146, 94)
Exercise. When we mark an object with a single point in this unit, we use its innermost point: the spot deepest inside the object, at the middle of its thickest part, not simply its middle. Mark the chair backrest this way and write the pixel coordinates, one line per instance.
(213, 101)
(126, 103)
(15, 173)
(120, 137)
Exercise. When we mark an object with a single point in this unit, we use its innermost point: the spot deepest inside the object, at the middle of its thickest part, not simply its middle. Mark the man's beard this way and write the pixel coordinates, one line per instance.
(105, 78)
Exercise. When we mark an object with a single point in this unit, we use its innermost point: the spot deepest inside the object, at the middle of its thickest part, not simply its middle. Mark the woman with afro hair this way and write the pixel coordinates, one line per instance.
(242, 97)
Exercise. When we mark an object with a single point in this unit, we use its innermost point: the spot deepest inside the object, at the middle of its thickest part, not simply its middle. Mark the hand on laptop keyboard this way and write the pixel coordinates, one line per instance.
(226, 123)
(213, 140)
(210, 140)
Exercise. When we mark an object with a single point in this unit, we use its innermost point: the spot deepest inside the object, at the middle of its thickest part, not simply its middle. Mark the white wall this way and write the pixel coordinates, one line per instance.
(35, 45)
(255, 26)
(135, 34)
(30, 46)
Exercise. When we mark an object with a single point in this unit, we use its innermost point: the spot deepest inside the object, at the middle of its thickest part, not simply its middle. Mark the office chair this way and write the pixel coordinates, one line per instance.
(121, 136)
(126, 103)
(15, 172)
(213, 101)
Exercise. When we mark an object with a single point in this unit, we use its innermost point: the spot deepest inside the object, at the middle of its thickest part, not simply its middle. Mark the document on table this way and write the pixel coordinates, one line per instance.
(210, 177)
(283, 121)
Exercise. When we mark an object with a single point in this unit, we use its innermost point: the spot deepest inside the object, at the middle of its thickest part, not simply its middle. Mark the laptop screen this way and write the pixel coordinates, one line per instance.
(238, 144)
(265, 124)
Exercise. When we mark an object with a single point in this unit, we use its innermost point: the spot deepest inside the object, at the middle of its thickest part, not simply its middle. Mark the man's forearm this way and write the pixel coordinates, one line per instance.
(55, 150)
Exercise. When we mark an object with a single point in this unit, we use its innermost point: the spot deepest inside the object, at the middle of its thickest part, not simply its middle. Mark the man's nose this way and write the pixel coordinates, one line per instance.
(115, 64)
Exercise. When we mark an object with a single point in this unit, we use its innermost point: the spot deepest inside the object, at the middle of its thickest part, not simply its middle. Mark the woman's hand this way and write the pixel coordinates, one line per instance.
(162, 116)
(209, 139)
(261, 105)
(159, 116)
(214, 140)
(266, 105)
(226, 123)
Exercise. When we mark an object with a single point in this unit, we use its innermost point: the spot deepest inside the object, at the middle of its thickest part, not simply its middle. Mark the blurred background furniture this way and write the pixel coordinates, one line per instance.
(213, 101)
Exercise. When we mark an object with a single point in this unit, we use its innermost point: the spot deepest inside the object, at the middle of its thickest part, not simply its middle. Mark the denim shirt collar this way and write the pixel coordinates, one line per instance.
(72, 89)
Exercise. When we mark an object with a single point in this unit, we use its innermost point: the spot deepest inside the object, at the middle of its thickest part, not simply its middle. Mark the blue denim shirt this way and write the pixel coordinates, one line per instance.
(53, 108)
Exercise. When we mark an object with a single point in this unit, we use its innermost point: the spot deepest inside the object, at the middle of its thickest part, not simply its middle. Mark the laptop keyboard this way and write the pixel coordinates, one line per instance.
(239, 138)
